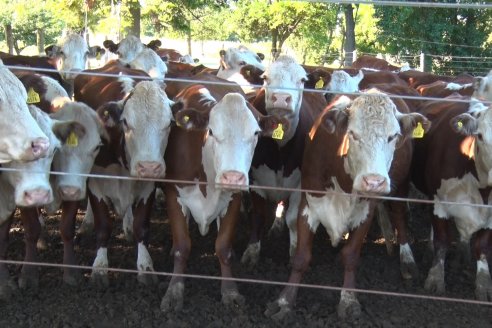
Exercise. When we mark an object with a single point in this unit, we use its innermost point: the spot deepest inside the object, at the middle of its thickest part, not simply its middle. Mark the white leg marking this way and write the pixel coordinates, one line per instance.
(144, 261)
(100, 264)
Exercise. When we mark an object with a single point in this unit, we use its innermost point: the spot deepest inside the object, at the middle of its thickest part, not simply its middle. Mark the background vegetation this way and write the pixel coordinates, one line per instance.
(318, 33)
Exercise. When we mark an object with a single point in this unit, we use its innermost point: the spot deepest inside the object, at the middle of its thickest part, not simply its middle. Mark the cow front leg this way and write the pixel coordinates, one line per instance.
(291, 219)
(103, 226)
(349, 307)
(173, 299)
(284, 304)
(141, 223)
(435, 277)
(67, 232)
(251, 255)
(483, 251)
(7, 284)
(29, 276)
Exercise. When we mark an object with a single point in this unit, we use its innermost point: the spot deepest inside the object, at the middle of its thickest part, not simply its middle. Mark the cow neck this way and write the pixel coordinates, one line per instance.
(208, 172)
(113, 152)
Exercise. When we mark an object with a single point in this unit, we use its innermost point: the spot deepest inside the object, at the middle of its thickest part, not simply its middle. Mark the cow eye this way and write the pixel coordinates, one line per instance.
(393, 137)
(354, 136)
(480, 137)
(210, 134)
(242, 63)
(257, 133)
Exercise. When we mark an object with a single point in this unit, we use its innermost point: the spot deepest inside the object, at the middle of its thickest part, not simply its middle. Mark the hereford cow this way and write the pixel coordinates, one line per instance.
(441, 89)
(483, 87)
(359, 149)
(220, 139)
(277, 162)
(453, 163)
(374, 63)
(21, 139)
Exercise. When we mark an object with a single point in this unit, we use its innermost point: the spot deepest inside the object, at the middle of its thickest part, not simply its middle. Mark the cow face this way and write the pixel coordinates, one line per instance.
(80, 146)
(148, 61)
(146, 120)
(477, 123)
(483, 87)
(128, 48)
(284, 83)
(342, 82)
(21, 139)
(31, 181)
(372, 126)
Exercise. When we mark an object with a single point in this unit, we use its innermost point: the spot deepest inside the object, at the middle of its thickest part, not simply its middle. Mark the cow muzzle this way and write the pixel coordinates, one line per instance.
(374, 184)
(233, 180)
(150, 169)
(282, 100)
(70, 193)
(36, 197)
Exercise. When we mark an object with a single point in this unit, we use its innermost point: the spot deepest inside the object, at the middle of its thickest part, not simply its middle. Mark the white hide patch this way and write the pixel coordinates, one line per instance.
(144, 261)
(456, 86)
(100, 265)
(203, 209)
(264, 176)
(468, 219)
(126, 84)
(337, 212)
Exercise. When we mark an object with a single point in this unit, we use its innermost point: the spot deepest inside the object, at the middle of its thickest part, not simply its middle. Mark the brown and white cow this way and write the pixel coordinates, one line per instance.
(277, 162)
(453, 163)
(21, 139)
(354, 150)
(139, 127)
(213, 144)
(371, 62)
(441, 89)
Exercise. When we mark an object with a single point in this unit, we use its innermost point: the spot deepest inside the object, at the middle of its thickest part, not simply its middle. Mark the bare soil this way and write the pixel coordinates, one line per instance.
(127, 304)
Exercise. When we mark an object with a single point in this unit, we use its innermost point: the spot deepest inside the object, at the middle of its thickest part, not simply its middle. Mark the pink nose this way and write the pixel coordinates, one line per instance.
(150, 169)
(374, 183)
(70, 192)
(37, 197)
(233, 179)
(39, 147)
(281, 100)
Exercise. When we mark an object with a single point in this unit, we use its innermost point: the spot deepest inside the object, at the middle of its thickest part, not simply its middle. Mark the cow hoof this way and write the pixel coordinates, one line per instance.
(173, 300)
(251, 255)
(349, 306)
(278, 310)
(233, 299)
(409, 270)
(435, 281)
(100, 280)
(147, 279)
(483, 287)
(72, 277)
(29, 279)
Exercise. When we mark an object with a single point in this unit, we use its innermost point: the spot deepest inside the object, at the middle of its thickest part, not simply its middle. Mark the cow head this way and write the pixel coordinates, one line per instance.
(80, 146)
(232, 135)
(372, 128)
(477, 123)
(127, 49)
(284, 84)
(72, 55)
(483, 87)
(31, 179)
(21, 139)
(148, 61)
(145, 119)
(342, 82)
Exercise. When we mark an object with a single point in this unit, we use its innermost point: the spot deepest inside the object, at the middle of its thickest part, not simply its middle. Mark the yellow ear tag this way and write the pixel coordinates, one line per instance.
(460, 125)
(32, 96)
(278, 133)
(186, 118)
(418, 132)
(72, 140)
(319, 84)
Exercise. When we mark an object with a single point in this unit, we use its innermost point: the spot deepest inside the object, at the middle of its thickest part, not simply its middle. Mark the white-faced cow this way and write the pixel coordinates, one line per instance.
(213, 144)
(453, 163)
(21, 139)
(277, 162)
(362, 149)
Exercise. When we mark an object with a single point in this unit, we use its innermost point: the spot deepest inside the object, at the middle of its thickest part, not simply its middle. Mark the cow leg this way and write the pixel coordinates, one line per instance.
(87, 225)
(128, 224)
(173, 299)
(278, 220)
(67, 232)
(435, 277)
(223, 249)
(386, 226)
(141, 223)
(349, 306)
(284, 304)
(291, 219)
(408, 267)
(251, 255)
(29, 276)
(103, 225)
(483, 252)
(6, 285)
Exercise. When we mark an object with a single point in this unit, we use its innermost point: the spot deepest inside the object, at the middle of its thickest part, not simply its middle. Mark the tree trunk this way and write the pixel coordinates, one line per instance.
(40, 40)
(349, 46)
(134, 9)
(9, 37)
(275, 51)
(188, 38)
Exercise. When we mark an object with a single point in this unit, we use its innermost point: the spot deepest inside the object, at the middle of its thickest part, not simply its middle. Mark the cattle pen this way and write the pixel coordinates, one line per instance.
(387, 297)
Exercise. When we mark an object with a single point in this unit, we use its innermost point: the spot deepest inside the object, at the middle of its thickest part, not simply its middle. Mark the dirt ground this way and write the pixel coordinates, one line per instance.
(127, 304)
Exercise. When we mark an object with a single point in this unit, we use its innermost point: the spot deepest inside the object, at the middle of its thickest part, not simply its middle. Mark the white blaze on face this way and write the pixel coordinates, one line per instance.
(373, 131)
(147, 119)
(77, 155)
(20, 136)
(483, 145)
(284, 83)
(233, 134)
(129, 48)
(31, 182)
(341, 81)
(148, 61)
(73, 55)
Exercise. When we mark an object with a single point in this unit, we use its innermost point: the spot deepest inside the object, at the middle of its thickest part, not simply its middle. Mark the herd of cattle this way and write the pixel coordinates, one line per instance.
(343, 136)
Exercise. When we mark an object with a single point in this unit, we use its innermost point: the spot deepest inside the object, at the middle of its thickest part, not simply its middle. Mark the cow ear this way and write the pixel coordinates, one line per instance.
(262, 56)
(335, 116)
(96, 51)
(271, 123)
(51, 50)
(154, 44)
(464, 124)
(110, 45)
(191, 119)
(413, 125)
(110, 113)
(176, 107)
(68, 132)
